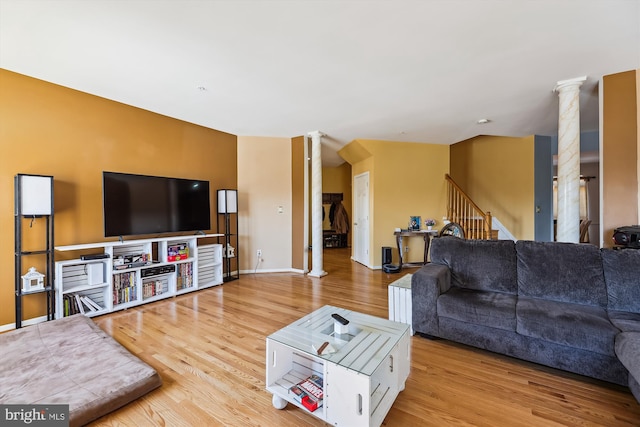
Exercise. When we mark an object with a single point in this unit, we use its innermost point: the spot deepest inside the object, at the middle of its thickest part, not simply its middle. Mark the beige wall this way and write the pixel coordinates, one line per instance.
(264, 185)
(498, 174)
(47, 129)
(405, 179)
(298, 165)
(619, 156)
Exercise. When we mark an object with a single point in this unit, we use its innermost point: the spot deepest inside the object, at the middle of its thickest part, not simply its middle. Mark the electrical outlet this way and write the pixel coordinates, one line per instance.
(259, 253)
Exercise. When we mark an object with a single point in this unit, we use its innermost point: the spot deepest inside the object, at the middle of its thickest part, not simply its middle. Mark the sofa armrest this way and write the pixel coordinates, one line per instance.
(427, 284)
(628, 352)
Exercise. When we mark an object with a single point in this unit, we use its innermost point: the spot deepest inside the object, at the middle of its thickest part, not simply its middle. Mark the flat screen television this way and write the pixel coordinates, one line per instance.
(142, 204)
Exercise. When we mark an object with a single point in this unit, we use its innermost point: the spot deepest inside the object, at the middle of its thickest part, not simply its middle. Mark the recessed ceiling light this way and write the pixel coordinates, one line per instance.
(202, 88)
(483, 121)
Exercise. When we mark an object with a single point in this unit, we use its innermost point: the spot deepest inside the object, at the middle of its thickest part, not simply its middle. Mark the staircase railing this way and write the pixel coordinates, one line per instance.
(461, 209)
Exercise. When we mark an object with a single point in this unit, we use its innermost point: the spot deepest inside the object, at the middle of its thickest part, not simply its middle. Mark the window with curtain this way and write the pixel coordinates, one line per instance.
(584, 202)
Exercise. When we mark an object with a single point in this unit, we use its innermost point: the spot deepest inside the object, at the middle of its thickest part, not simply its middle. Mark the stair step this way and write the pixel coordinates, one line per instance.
(494, 234)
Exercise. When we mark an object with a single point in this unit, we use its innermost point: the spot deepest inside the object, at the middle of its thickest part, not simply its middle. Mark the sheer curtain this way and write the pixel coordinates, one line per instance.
(584, 198)
(584, 202)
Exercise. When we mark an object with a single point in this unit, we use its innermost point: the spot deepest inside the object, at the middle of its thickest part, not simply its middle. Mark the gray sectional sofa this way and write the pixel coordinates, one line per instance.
(569, 306)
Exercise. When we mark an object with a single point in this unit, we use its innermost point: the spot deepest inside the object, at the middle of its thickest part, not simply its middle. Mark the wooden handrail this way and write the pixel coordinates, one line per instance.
(463, 210)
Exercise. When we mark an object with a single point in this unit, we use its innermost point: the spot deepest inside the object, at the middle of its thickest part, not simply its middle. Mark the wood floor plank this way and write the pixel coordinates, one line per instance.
(209, 348)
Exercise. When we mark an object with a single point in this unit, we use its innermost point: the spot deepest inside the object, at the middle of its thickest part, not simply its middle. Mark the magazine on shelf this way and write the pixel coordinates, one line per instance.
(177, 251)
(87, 305)
(309, 392)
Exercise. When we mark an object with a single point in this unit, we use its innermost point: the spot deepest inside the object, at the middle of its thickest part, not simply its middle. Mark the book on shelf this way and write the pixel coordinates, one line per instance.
(152, 288)
(79, 303)
(67, 306)
(309, 392)
(185, 275)
(75, 303)
(124, 287)
(89, 302)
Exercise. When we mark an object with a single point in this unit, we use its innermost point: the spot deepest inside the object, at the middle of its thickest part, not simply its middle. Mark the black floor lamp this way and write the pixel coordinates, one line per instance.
(228, 208)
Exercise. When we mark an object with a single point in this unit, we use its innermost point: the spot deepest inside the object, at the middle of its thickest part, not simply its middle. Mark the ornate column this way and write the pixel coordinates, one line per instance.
(568, 225)
(317, 267)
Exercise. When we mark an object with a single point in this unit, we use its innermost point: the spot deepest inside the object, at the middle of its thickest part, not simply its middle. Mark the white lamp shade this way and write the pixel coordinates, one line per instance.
(35, 194)
(227, 201)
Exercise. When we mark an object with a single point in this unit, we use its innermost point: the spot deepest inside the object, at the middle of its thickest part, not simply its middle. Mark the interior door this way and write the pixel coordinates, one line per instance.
(361, 219)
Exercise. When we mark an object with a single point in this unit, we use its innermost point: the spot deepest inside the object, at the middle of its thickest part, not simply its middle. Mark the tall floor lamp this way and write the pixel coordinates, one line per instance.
(227, 206)
(34, 199)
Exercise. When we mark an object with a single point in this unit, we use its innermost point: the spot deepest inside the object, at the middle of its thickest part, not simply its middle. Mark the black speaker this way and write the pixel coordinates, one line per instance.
(386, 255)
(627, 237)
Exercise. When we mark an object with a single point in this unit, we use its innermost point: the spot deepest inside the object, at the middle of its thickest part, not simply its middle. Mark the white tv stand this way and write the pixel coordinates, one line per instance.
(81, 282)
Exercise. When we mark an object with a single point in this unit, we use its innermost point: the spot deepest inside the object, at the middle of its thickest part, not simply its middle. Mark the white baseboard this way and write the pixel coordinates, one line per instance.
(503, 233)
(272, 270)
(27, 322)
(372, 267)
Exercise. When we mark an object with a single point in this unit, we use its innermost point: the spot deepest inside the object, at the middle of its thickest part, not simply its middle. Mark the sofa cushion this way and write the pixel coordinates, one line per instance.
(484, 265)
(493, 309)
(573, 325)
(625, 321)
(567, 272)
(628, 352)
(622, 278)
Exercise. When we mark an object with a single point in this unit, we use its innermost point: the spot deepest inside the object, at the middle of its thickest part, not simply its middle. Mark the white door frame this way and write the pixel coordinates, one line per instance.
(361, 219)
(306, 209)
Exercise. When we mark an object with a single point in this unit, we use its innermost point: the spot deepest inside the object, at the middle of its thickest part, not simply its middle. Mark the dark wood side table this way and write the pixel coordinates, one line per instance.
(425, 234)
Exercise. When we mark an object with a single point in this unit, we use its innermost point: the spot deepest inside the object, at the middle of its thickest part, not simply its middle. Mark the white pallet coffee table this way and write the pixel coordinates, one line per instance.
(362, 378)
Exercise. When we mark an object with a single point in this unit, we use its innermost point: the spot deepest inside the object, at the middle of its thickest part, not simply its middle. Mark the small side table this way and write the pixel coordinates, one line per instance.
(425, 234)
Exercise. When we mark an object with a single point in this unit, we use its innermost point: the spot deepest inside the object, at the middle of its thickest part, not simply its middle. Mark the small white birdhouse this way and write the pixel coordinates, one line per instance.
(32, 281)
(228, 251)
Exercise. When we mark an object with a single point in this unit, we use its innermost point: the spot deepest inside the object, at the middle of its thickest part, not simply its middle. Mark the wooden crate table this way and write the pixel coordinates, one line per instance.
(361, 378)
(400, 301)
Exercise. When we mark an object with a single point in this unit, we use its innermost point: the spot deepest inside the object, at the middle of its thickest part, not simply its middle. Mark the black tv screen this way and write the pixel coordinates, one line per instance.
(142, 204)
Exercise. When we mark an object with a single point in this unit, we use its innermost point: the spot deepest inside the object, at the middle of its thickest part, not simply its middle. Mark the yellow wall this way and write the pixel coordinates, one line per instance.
(498, 174)
(51, 130)
(619, 157)
(264, 186)
(405, 179)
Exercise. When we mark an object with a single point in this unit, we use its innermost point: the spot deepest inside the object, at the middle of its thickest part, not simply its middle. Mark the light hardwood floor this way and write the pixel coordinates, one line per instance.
(209, 348)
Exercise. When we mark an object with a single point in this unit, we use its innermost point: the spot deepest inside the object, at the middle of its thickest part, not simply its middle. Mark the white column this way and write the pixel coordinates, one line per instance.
(317, 267)
(568, 225)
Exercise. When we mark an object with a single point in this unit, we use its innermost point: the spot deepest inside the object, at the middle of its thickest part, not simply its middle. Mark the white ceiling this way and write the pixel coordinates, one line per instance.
(401, 70)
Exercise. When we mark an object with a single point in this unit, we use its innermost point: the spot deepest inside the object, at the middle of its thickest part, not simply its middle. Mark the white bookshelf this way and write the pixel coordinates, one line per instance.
(134, 272)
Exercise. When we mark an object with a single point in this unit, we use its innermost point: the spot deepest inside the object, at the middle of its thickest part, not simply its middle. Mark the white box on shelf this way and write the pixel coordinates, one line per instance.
(95, 273)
